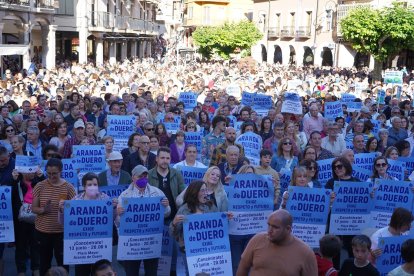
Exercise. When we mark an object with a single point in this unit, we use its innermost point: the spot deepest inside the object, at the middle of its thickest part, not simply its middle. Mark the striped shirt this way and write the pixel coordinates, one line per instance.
(44, 190)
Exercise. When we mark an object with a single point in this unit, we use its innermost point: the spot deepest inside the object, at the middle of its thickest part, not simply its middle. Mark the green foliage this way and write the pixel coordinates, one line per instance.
(225, 39)
(379, 32)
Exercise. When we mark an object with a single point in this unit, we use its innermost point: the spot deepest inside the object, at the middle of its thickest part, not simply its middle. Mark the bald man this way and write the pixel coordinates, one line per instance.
(277, 251)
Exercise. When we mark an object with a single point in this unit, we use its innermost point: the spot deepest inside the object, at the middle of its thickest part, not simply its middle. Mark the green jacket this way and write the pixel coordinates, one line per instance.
(176, 181)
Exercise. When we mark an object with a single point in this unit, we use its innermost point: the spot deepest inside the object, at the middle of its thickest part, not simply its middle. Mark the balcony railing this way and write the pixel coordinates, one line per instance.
(43, 4)
(136, 24)
(25, 3)
(287, 31)
(273, 32)
(303, 32)
(47, 4)
(121, 22)
(101, 19)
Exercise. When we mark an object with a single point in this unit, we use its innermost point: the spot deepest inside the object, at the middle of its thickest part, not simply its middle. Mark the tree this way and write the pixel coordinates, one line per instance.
(225, 39)
(380, 32)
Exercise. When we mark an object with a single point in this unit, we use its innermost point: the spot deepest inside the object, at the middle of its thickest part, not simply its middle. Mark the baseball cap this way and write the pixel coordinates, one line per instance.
(79, 124)
(115, 155)
(138, 170)
(365, 109)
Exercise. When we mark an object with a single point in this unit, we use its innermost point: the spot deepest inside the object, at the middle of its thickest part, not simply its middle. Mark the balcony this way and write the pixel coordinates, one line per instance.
(136, 24)
(303, 32)
(287, 32)
(121, 22)
(273, 33)
(44, 6)
(101, 19)
(343, 10)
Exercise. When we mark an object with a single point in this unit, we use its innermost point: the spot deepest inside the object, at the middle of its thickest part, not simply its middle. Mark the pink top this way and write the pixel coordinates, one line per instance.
(28, 197)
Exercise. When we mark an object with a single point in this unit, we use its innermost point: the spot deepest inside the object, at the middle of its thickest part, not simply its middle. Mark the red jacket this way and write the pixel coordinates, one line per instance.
(324, 266)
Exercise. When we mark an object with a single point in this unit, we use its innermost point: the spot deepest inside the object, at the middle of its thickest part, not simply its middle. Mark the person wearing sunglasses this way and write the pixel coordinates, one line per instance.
(312, 172)
(380, 170)
(341, 171)
(284, 157)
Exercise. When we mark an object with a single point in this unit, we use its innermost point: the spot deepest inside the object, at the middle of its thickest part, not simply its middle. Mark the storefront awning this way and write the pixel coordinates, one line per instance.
(13, 49)
(118, 36)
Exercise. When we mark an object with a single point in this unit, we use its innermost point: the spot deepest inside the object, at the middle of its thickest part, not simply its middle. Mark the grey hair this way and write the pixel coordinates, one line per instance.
(383, 131)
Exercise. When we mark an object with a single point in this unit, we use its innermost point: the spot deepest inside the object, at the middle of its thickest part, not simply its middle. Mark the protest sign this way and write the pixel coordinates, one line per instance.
(194, 138)
(252, 144)
(26, 164)
(293, 84)
(292, 103)
(233, 90)
(189, 99)
(247, 98)
(333, 110)
(396, 168)
(164, 263)
(359, 87)
(393, 77)
(309, 209)
(141, 229)
(207, 246)
(69, 171)
(377, 127)
(350, 213)
(88, 228)
(172, 127)
(237, 125)
(353, 106)
(6, 215)
(120, 127)
(324, 170)
(361, 173)
(251, 201)
(409, 164)
(232, 120)
(347, 97)
(365, 160)
(381, 96)
(389, 195)
(113, 191)
(89, 158)
(390, 256)
(191, 173)
(262, 101)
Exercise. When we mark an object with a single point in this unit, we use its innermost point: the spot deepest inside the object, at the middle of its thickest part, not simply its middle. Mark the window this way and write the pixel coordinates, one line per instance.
(65, 7)
(190, 13)
(206, 15)
(277, 21)
(308, 19)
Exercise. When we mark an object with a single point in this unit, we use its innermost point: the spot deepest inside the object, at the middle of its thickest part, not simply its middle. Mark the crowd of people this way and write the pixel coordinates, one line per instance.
(45, 113)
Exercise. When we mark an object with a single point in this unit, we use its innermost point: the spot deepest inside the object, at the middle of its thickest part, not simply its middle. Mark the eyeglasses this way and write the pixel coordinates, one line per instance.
(311, 168)
(10, 130)
(381, 165)
(149, 129)
(145, 143)
(338, 167)
(287, 143)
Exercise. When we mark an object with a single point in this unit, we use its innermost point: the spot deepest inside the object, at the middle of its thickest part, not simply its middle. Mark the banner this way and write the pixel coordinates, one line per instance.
(207, 246)
(26, 164)
(393, 77)
(87, 228)
(354, 106)
(361, 174)
(141, 228)
(247, 98)
(232, 120)
(292, 103)
(324, 170)
(409, 164)
(389, 195)
(309, 209)
(347, 98)
(233, 90)
(6, 215)
(189, 99)
(351, 210)
(89, 158)
(293, 84)
(191, 173)
(120, 127)
(391, 253)
(251, 201)
(365, 160)
(194, 138)
(113, 191)
(285, 176)
(377, 127)
(396, 168)
(381, 96)
(172, 127)
(333, 110)
(164, 262)
(252, 144)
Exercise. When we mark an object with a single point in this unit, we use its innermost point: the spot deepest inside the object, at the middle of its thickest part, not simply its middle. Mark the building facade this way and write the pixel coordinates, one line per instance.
(308, 32)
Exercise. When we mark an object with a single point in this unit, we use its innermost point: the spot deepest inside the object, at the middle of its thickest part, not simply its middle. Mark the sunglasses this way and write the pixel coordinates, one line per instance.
(338, 167)
(9, 130)
(287, 143)
(149, 129)
(311, 168)
(381, 165)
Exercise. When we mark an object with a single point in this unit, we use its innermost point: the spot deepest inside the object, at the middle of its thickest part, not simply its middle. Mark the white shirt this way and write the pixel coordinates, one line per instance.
(197, 164)
(337, 147)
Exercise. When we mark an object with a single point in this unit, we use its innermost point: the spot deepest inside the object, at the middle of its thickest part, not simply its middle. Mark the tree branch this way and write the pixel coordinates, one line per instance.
(382, 40)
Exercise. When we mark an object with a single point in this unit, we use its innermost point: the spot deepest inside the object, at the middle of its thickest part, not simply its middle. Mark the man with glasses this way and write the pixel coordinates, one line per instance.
(148, 128)
(396, 133)
(142, 156)
(333, 142)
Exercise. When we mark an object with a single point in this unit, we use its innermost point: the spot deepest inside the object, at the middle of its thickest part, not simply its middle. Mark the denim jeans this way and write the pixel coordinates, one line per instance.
(237, 245)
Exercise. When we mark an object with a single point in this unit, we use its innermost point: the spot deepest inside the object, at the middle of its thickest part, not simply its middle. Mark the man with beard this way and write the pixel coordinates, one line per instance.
(219, 153)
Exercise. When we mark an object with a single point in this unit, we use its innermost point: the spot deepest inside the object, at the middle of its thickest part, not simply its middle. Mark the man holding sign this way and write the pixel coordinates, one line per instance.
(277, 252)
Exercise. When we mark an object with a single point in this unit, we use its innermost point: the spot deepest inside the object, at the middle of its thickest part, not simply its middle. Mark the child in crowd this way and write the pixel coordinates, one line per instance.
(103, 268)
(359, 265)
(407, 254)
(329, 247)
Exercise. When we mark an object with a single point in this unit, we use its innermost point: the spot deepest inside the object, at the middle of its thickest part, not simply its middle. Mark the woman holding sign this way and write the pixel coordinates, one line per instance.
(46, 197)
(196, 201)
(137, 189)
(341, 171)
(380, 170)
(284, 157)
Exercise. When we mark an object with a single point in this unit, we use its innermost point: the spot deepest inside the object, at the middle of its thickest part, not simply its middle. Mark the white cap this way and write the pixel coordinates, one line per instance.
(79, 123)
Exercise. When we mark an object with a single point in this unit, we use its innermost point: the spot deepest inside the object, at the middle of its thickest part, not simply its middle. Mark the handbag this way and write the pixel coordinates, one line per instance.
(25, 211)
